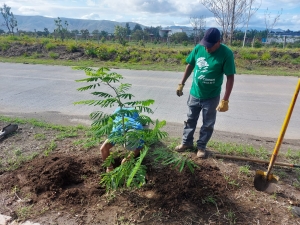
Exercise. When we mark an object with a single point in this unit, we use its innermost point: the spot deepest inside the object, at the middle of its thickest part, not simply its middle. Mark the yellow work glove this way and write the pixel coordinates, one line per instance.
(179, 90)
(223, 106)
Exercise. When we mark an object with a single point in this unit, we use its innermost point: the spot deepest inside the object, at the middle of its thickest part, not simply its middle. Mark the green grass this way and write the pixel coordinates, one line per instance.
(245, 170)
(39, 136)
(42, 124)
(50, 147)
(16, 159)
(238, 149)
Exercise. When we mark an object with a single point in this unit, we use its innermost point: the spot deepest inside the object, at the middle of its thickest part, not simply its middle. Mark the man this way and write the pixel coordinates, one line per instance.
(132, 143)
(210, 61)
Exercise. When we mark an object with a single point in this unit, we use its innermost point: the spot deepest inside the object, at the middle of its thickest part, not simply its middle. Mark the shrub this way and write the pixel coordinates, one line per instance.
(257, 44)
(4, 46)
(266, 56)
(25, 54)
(13, 38)
(179, 56)
(102, 53)
(286, 57)
(45, 41)
(142, 43)
(53, 55)
(72, 48)
(183, 61)
(185, 43)
(91, 51)
(237, 43)
(49, 46)
(296, 60)
(248, 55)
(26, 38)
(135, 56)
(35, 55)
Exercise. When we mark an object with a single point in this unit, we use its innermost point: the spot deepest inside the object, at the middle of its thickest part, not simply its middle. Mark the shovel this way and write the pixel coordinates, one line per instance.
(263, 179)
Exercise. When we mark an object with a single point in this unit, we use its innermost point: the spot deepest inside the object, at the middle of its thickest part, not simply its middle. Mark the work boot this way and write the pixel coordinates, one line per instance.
(182, 148)
(201, 154)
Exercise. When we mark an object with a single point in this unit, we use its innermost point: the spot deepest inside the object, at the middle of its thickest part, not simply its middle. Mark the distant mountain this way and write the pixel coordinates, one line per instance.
(238, 28)
(39, 23)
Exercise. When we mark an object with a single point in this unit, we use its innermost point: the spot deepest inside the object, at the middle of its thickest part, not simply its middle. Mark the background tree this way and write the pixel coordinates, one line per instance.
(179, 37)
(61, 30)
(46, 32)
(104, 33)
(120, 34)
(128, 30)
(228, 14)
(137, 27)
(270, 21)
(198, 23)
(75, 32)
(9, 19)
(154, 31)
(251, 11)
(96, 34)
(85, 33)
(137, 35)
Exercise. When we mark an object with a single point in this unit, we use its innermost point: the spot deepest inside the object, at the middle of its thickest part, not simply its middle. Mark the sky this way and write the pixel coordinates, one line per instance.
(155, 12)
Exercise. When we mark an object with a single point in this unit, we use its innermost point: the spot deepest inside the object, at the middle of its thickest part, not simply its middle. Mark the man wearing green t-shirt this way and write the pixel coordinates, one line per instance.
(210, 61)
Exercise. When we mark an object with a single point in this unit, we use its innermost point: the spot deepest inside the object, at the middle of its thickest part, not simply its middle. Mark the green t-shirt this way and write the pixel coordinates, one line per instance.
(209, 70)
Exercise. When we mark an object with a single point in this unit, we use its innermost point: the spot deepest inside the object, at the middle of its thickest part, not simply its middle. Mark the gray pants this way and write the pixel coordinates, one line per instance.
(209, 113)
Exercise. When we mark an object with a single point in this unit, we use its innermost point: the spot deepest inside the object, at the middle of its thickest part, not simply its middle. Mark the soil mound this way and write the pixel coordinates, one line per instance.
(69, 181)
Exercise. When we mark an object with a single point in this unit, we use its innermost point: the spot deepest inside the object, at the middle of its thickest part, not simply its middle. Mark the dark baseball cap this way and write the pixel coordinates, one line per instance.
(211, 37)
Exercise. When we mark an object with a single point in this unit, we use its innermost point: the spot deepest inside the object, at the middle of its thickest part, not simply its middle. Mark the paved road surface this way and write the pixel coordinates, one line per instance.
(258, 104)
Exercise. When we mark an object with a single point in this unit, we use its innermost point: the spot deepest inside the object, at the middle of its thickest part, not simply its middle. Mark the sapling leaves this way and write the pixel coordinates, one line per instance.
(125, 96)
(167, 157)
(93, 86)
(123, 87)
(132, 172)
(138, 173)
(102, 94)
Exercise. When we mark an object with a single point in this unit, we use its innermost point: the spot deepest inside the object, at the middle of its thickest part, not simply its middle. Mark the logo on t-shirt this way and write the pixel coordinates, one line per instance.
(202, 64)
(205, 80)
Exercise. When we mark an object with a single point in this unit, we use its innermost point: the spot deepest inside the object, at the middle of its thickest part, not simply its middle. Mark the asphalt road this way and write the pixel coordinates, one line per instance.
(258, 104)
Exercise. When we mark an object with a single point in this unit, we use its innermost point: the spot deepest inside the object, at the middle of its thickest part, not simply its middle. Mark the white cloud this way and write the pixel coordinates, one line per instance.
(91, 16)
(148, 12)
(28, 11)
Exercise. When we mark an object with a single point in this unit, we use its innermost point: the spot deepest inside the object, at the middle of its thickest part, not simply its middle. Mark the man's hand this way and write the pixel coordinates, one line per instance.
(179, 90)
(223, 106)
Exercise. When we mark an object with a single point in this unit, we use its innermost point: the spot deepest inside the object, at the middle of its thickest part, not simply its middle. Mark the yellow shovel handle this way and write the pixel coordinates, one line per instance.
(283, 128)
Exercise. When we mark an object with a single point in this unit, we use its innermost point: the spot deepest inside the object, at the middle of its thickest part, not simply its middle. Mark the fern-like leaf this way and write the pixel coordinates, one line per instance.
(102, 94)
(137, 168)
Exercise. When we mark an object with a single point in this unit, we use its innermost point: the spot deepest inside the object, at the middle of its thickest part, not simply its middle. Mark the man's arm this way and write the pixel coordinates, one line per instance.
(188, 70)
(229, 86)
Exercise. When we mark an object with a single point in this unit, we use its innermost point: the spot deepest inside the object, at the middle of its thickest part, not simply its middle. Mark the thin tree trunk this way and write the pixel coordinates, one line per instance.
(232, 21)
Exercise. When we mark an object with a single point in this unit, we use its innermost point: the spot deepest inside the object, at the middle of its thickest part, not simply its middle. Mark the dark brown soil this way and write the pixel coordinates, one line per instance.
(63, 188)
